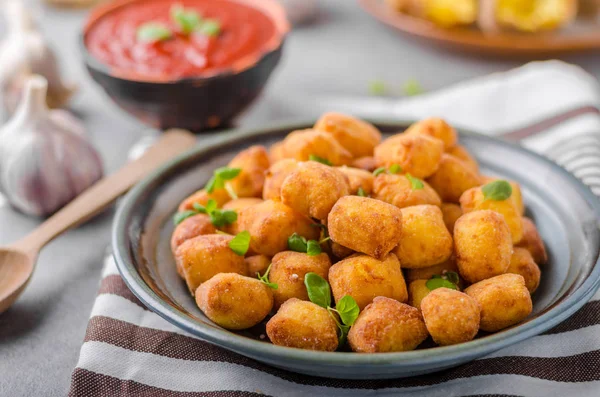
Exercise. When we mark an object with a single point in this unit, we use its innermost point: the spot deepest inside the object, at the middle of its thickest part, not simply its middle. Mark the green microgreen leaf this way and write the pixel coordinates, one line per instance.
(395, 168)
(297, 243)
(265, 278)
(313, 248)
(360, 192)
(377, 87)
(318, 289)
(230, 191)
(412, 87)
(240, 243)
(348, 310)
(221, 218)
(227, 173)
(199, 208)
(435, 283)
(379, 170)
(186, 20)
(211, 205)
(217, 181)
(452, 277)
(344, 329)
(183, 215)
(497, 190)
(210, 27)
(314, 157)
(415, 183)
(153, 31)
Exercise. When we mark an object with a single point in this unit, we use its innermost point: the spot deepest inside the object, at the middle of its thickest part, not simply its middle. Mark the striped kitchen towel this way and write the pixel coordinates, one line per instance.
(551, 107)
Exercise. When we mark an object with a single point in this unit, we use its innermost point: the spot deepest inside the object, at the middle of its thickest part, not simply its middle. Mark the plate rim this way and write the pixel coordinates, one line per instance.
(543, 43)
(257, 349)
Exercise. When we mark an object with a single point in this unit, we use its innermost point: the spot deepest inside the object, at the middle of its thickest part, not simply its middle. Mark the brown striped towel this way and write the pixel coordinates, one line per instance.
(553, 107)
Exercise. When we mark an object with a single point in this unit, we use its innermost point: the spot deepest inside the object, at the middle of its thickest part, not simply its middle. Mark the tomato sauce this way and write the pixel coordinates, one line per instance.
(112, 39)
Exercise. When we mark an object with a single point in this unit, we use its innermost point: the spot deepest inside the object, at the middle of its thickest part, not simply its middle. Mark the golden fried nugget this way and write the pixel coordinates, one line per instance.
(253, 163)
(275, 176)
(521, 262)
(201, 197)
(191, 227)
(387, 325)
(417, 290)
(357, 136)
(533, 242)
(418, 155)
(300, 145)
(303, 325)
(425, 240)
(474, 200)
(313, 188)
(257, 264)
(397, 190)
(461, 153)
(270, 223)
(276, 152)
(451, 212)
(237, 205)
(365, 225)
(504, 301)
(482, 244)
(339, 251)
(233, 301)
(516, 196)
(451, 316)
(363, 278)
(288, 271)
(453, 178)
(366, 163)
(358, 178)
(202, 257)
(437, 128)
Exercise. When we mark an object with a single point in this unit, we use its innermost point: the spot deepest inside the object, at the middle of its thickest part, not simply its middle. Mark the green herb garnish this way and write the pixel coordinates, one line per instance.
(318, 289)
(346, 310)
(265, 278)
(314, 157)
(218, 217)
(377, 87)
(183, 215)
(446, 280)
(217, 181)
(415, 183)
(298, 243)
(412, 87)
(153, 31)
(379, 170)
(497, 190)
(395, 168)
(210, 27)
(240, 243)
(360, 192)
(186, 20)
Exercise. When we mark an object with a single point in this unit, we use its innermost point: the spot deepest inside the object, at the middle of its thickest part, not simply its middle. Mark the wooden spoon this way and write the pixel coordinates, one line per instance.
(17, 261)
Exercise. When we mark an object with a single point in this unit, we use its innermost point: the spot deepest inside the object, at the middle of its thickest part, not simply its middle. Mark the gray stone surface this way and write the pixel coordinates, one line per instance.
(40, 336)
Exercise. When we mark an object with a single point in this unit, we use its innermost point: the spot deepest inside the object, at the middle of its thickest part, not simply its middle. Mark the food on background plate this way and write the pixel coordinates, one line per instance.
(526, 16)
(331, 256)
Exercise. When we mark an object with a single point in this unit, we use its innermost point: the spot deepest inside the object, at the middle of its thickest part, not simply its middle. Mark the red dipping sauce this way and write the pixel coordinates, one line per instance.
(246, 33)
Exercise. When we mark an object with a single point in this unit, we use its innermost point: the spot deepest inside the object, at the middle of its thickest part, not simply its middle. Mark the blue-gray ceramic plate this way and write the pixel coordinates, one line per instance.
(566, 212)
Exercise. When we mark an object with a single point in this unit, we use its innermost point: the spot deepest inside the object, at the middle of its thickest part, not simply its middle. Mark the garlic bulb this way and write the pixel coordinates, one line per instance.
(24, 52)
(44, 164)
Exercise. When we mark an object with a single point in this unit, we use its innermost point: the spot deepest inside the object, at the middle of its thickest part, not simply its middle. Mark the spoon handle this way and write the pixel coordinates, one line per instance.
(103, 193)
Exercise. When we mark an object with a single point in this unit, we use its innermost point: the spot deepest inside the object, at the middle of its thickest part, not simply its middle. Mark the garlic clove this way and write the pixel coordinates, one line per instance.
(44, 164)
(23, 52)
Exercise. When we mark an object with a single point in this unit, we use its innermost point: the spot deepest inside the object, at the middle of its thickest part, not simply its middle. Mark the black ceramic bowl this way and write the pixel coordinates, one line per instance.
(196, 103)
